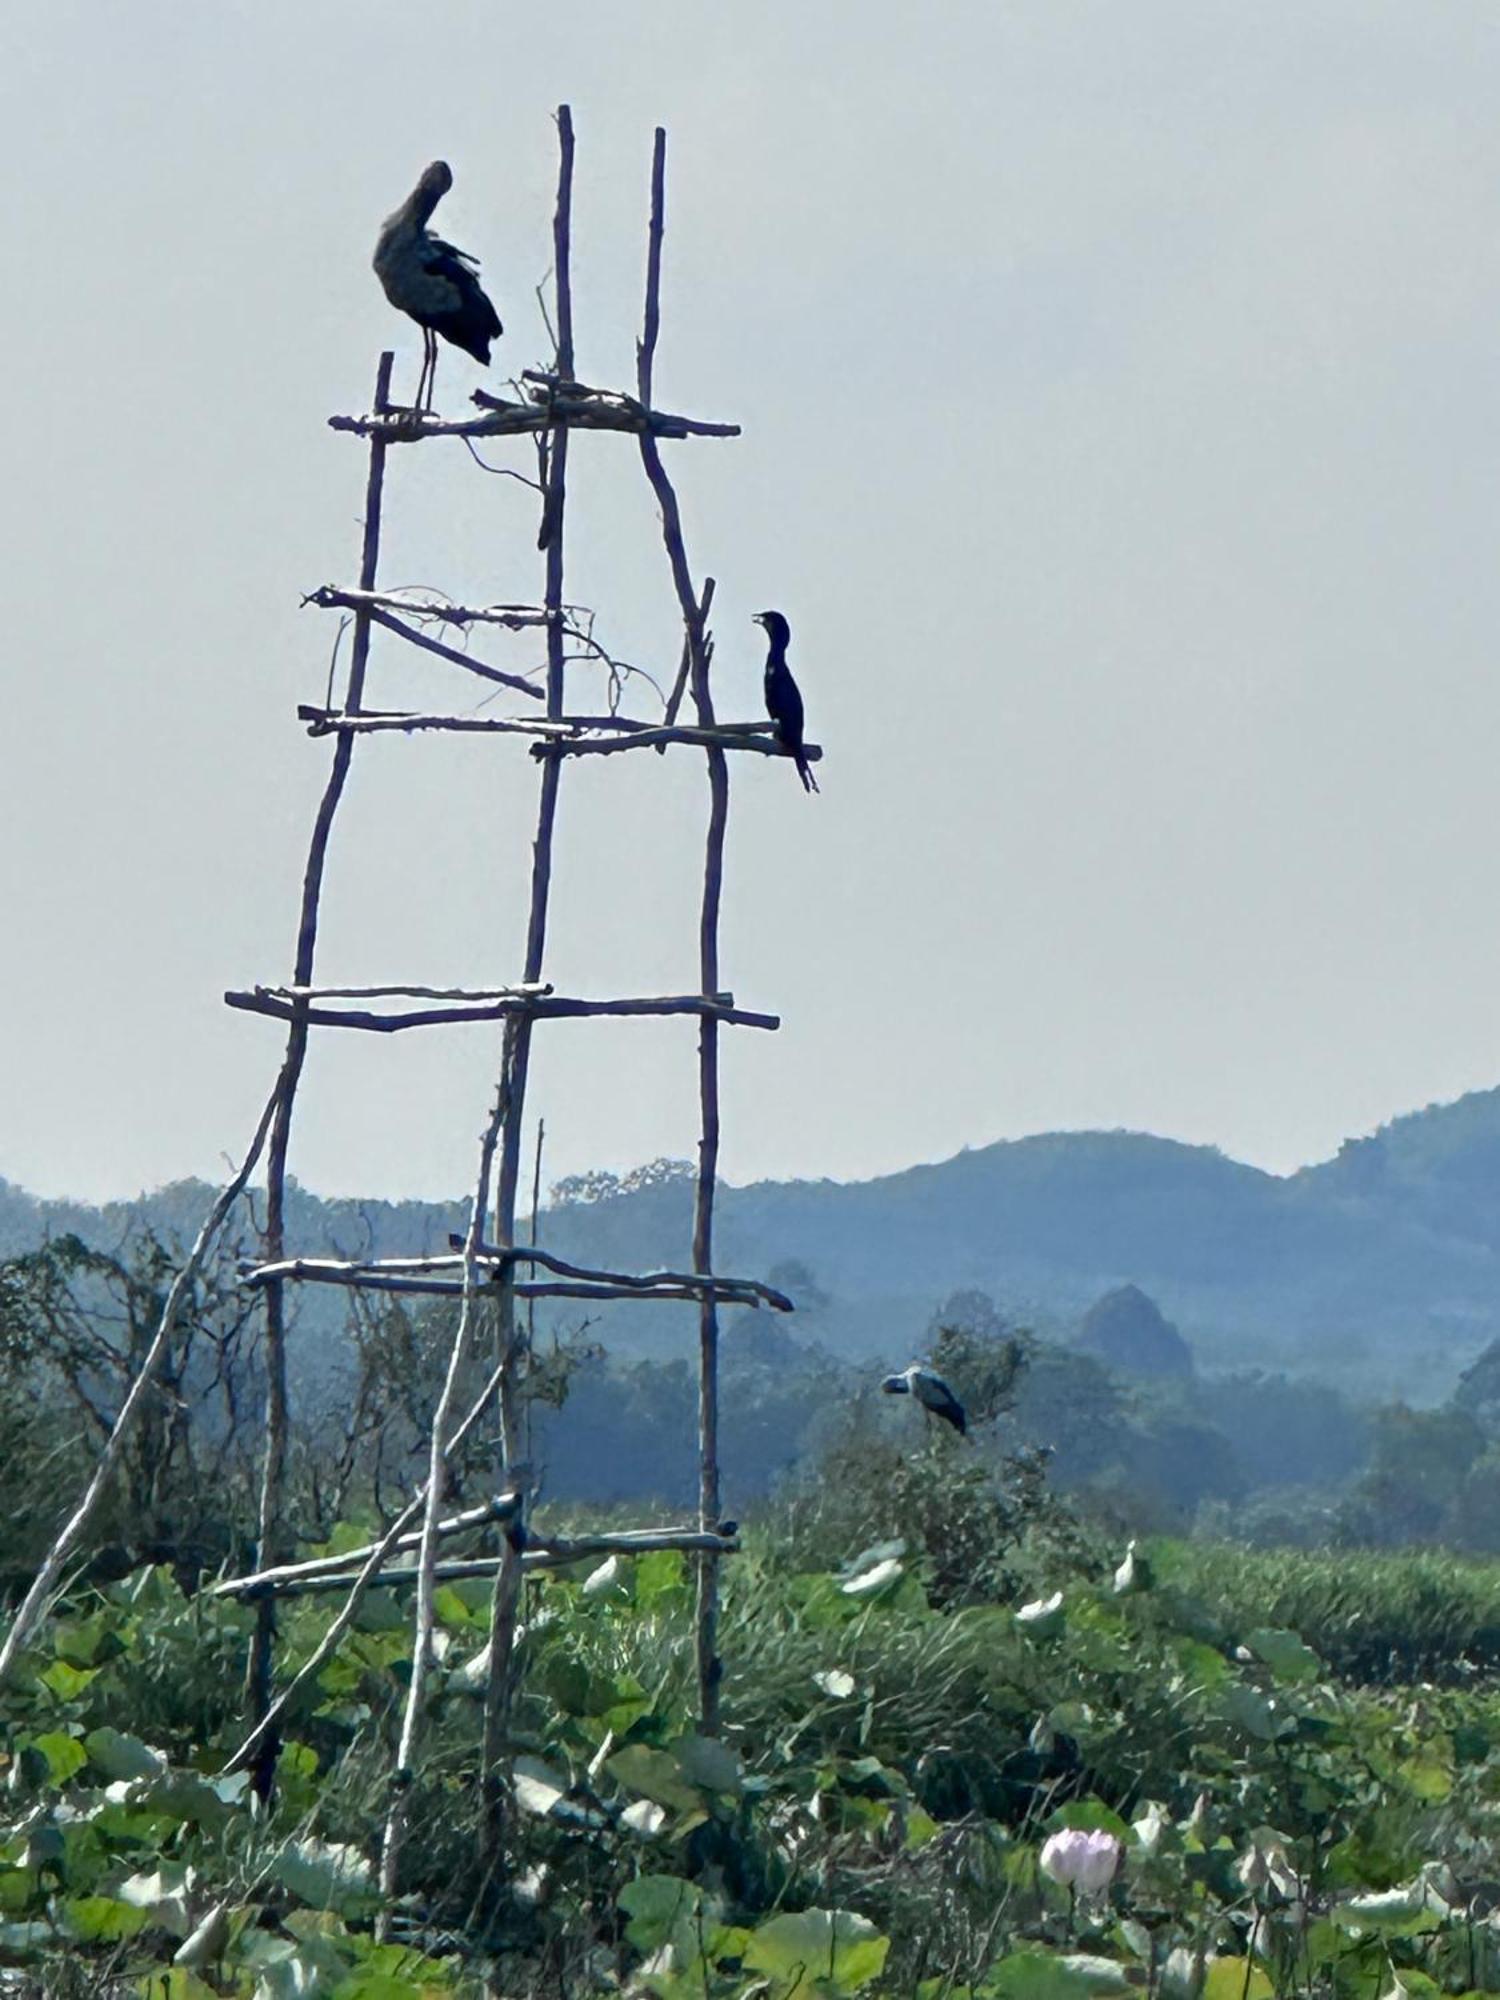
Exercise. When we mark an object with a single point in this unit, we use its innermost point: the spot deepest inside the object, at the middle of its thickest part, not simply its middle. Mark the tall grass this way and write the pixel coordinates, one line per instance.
(1375, 1617)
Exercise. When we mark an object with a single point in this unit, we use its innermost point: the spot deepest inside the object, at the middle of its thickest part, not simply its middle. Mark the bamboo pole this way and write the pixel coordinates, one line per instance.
(273, 1477)
(720, 737)
(513, 617)
(568, 739)
(506, 1602)
(699, 653)
(294, 1581)
(475, 1278)
(596, 409)
(518, 1008)
(373, 722)
(710, 1667)
(503, 1507)
(477, 993)
(341, 1270)
(688, 1288)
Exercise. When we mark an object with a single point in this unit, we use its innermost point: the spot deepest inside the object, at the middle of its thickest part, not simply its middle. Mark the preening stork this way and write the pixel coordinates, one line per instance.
(931, 1391)
(432, 282)
(783, 697)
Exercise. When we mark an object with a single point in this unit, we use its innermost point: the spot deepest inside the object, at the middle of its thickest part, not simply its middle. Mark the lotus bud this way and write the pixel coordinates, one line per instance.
(1252, 1870)
(1042, 1617)
(1265, 1862)
(207, 1942)
(1042, 1737)
(1150, 1827)
(1182, 1974)
(1284, 1877)
(1084, 1860)
(1134, 1573)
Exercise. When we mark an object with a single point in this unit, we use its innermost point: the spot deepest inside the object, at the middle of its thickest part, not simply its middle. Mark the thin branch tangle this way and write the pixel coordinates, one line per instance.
(555, 403)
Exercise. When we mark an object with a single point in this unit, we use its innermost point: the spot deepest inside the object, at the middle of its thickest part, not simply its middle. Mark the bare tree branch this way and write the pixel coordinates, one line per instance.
(34, 1602)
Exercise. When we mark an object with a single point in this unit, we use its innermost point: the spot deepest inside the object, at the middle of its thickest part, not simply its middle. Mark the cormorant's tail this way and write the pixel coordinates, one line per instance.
(804, 772)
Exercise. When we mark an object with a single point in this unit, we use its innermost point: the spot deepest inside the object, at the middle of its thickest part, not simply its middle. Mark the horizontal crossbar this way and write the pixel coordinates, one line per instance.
(440, 1278)
(551, 1554)
(595, 736)
(554, 404)
(541, 1007)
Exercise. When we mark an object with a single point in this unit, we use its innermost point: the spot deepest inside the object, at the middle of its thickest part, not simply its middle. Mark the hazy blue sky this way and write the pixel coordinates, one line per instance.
(1119, 389)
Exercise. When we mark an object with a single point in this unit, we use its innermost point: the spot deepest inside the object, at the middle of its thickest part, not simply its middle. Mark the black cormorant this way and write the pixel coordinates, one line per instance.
(433, 283)
(783, 698)
(931, 1391)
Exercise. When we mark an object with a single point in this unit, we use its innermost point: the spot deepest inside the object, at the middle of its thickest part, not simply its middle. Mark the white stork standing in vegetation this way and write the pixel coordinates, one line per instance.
(435, 284)
(931, 1391)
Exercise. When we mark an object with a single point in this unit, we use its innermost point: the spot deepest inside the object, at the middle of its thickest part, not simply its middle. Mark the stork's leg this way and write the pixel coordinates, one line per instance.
(431, 367)
(419, 396)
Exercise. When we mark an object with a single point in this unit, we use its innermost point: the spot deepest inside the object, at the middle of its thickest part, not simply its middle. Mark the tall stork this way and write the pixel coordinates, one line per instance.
(931, 1391)
(435, 284)
(783, 696)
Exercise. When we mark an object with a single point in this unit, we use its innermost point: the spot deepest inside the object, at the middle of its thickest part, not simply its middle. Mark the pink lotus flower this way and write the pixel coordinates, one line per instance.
(1084, 1861)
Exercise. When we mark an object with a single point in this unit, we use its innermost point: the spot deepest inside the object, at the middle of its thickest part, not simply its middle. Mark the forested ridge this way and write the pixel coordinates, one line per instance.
(1379, 1268)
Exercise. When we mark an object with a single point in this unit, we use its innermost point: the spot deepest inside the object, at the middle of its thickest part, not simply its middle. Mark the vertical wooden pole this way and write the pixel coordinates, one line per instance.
(536, 1203)
(516, 1056)
(273, 1474)
(709, 1509)
(439, 1448)
(699, 650)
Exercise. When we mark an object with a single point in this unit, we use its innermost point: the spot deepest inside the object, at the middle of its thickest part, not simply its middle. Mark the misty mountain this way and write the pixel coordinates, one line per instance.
(1379, 1267)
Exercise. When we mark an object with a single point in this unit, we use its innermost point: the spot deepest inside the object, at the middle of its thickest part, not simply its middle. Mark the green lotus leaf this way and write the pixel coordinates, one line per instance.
(119, 1756)
(1044, 1975)
(817, 1951)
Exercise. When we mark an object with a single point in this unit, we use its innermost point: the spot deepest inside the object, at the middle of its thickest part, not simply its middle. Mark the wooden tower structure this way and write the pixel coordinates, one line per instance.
(488, 1271)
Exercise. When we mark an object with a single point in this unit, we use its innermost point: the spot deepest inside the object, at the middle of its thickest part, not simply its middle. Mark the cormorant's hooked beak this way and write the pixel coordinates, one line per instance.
(760, 618)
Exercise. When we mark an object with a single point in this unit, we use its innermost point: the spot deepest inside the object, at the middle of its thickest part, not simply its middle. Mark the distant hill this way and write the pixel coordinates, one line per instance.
(1379, 1268)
